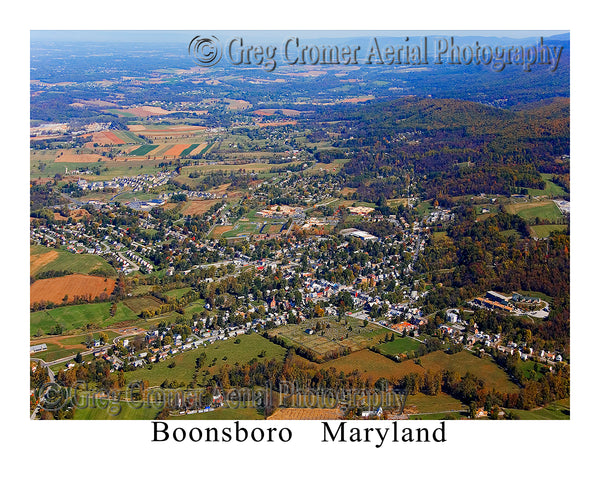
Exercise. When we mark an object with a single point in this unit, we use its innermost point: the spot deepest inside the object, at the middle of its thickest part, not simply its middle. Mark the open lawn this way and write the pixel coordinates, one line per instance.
(399, 345)
(177, 293)
(218, 354)
(79, 316)
(195, 307)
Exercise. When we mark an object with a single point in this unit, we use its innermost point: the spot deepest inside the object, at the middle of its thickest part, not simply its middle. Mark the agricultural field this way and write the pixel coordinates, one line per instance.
(60, 347)
(133, 411)
(143, 150)
(198, 207)
(107, 137)
(349, 333)
(306, 414)
(55, 351)
(128, 137)
(43, 259)
(138, 304)
(223, 413)
(545, 209)
(427, 404)
(464, 362)
(68, 288)
(551, 189)
(372, 366)
(220, 230)
(559, 410)
(115, 410)
(79, 316)
(218, 354)
(543, 231)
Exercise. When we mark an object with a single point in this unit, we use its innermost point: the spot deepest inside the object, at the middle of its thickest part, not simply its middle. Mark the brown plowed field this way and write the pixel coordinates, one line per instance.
(198, 207)
(36, 262)
(79, 158)
(306, 414)
(176, 150)
(54, 289)
(106, 138)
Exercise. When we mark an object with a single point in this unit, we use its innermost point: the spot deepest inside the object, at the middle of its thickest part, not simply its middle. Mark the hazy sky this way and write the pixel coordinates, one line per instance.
(185, 35)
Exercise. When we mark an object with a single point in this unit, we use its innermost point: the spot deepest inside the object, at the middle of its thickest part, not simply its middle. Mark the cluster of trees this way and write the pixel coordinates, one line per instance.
(476, 257)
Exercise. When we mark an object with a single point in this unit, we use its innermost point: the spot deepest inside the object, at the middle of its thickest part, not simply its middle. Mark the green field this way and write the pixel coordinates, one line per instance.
(559, 410)
(79, 316)
(177, 293)
(349, 333)
(143, 150)
(546, 210)
(137, 304)
(195, 307)
(121, 410)
(73, 262)
(225, 352)
(223, 414)
(54, 352)
(528, 369)
(128, 137)
(241, 229)
(543, 231)
(399, 345)
(66, 346)
(189, 149)
(115, 411)
(551, 189)
(120, 113)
